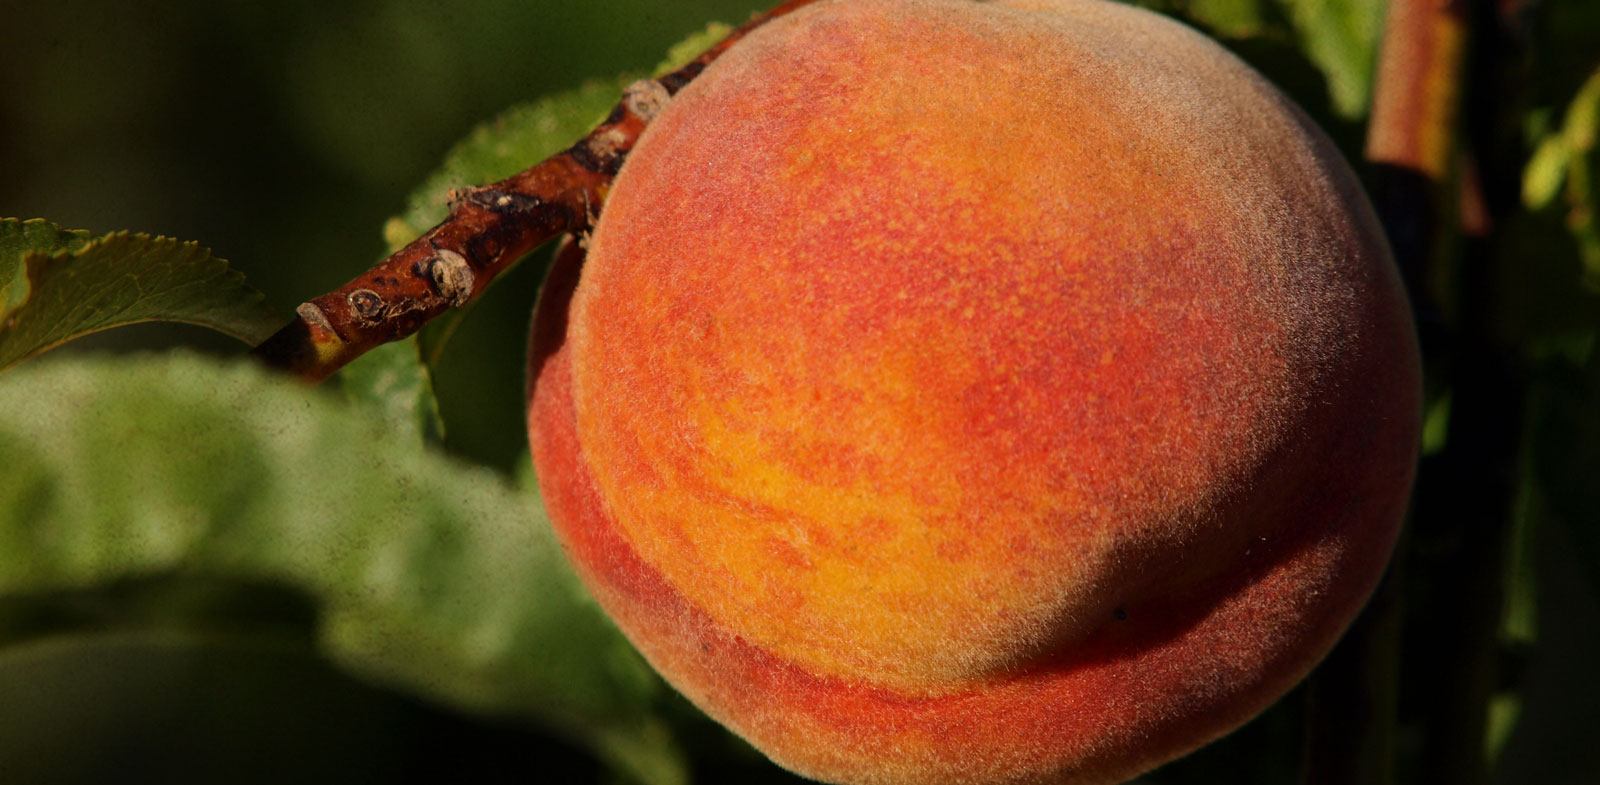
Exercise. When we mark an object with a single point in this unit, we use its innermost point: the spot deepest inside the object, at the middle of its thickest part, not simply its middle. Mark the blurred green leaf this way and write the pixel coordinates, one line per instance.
(1341, 37)
(1542, 718)
(1436, 424)
(691, 47)
(1546, 171)
(1519, 615)
(393, 379)
(1583, 117)
(428, 575)
(1229, 18)
(523, 136)
(1567, 156)
(1566, 452)
(61, 285)
(519, 138)
(1261, 33)
(1519, 618)
(1583, 185)
(1540, 305)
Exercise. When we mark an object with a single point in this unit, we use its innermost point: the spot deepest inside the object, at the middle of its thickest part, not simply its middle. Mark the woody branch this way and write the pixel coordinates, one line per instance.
(489, 228)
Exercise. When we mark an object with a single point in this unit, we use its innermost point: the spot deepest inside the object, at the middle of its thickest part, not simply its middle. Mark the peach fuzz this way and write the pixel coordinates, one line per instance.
(978, 392)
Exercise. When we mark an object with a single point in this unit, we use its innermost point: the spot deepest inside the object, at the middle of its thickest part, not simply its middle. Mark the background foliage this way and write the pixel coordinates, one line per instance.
(206, 574)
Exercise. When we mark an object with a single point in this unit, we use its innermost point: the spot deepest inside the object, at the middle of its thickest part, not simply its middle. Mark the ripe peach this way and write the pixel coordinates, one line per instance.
(978, 392)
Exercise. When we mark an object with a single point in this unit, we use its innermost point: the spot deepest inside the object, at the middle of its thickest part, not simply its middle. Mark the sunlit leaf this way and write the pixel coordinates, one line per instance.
(1546, 171)
(1341, 37)
(428, 576)
(1569, 156)
(1231, 18)
(516, 140)
(691, 47)
(1583, 186)
(1583, 117)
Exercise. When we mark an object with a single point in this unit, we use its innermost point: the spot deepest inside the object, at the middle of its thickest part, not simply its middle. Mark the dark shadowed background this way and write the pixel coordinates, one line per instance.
(282, 135)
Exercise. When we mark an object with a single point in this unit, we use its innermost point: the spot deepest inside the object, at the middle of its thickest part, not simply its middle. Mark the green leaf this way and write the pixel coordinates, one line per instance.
(1546, 171)
(517, 139)
(1231, 18)
(691, 47)
(1583, 116)
(61, 285)
(1553, 585)
(1263, 34)
(393, 379)
(1570, 157)
(521, 137)
(428, 575)
(1566, 452)
(20, 239)
(1583, 178)
(525, 135)
(1341, 37)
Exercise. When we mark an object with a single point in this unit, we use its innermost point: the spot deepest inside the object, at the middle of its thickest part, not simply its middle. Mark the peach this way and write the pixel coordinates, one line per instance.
(978, 392)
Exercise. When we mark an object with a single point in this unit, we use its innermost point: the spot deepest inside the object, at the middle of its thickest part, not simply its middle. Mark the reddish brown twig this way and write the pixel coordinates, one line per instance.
(489, 227)
(1418, 93)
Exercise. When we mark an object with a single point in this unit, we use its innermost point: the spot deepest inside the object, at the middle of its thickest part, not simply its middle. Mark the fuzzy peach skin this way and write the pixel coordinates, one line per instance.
(978, 392)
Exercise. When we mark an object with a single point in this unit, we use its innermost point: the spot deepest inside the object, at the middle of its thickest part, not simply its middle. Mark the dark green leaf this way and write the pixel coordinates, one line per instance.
(428, 575)
(1553, 587)
(1566, 441)
(1269, 36)
(70, 286)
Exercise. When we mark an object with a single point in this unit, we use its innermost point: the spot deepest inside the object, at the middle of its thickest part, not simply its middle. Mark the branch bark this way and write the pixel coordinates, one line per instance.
(489, 228)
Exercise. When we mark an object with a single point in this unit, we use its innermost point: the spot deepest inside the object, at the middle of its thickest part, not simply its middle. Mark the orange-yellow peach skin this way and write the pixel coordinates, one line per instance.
(965, 392)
